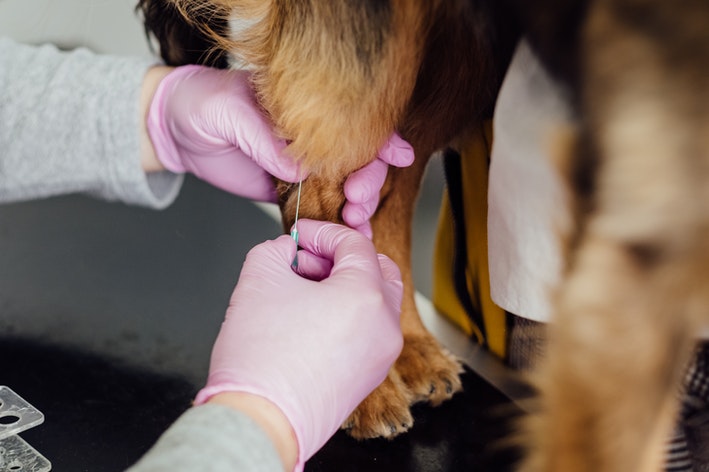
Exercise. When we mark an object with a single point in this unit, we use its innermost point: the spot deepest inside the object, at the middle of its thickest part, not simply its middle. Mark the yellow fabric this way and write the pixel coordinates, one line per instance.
(475, 159)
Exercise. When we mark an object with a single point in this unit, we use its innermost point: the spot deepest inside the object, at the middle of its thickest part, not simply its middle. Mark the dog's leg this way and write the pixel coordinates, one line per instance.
(424, 370)
(637, 287)
(428, 370)
(386, 411)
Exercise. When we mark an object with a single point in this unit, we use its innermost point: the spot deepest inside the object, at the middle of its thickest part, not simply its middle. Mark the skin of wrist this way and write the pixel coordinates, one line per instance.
(269, 417)
(152, 79)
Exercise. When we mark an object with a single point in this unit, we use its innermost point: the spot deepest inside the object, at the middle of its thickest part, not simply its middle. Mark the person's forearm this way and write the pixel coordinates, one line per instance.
(70, 123)
(224, 438)
(269, 417)
(153, 77)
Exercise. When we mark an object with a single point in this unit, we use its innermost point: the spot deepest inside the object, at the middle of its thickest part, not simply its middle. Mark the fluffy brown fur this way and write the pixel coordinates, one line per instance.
(636, 289)
(337, 77)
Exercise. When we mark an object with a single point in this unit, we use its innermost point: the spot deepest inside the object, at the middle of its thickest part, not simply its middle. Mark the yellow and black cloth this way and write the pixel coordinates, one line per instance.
(461, 281)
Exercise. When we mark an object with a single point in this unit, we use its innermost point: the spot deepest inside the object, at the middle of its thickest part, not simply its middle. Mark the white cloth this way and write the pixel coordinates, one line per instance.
(528, 210)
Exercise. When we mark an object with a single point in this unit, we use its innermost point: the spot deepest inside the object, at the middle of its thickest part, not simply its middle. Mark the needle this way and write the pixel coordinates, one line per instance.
(294, 231)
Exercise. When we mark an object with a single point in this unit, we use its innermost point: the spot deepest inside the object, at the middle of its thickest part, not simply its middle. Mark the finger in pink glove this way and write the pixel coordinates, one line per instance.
(363, 186)
(207, 122)
(314, 343)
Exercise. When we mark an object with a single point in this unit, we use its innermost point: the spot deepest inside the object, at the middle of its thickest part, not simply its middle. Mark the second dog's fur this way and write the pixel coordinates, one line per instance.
(338, 77)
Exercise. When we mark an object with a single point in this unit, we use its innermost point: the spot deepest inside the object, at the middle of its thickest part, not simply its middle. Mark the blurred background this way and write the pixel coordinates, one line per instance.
(108, 26)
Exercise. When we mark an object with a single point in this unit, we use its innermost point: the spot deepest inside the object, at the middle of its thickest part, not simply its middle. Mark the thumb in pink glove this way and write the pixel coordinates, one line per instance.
(207, 122)
(362, 187)
(314, 344)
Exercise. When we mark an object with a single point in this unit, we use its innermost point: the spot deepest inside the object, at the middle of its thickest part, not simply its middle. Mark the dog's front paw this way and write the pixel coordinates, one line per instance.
(429, 371)
(384, 413)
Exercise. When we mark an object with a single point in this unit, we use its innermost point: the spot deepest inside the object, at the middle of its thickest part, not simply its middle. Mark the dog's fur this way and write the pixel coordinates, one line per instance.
(635, 292)
(338, 76)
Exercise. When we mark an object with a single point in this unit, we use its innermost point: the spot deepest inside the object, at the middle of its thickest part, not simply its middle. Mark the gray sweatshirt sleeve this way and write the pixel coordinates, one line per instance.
(69, 123)
(212, 438)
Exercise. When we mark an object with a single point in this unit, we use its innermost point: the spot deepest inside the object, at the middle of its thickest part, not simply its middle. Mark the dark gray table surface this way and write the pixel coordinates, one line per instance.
(107, 318)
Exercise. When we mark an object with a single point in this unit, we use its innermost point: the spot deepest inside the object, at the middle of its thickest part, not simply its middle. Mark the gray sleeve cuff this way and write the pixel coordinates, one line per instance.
(212, 438)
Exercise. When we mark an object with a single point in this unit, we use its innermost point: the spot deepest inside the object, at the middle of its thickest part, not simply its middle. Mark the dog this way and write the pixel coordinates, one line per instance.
(338, 106)
(337, 77)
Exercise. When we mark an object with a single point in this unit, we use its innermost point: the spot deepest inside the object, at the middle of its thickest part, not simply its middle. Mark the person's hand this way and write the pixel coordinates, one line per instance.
(207, 122)
(314, 343)
(362, 187)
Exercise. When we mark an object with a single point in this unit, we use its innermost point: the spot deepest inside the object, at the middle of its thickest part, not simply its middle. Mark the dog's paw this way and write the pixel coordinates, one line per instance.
(429, 371)
(384, 413)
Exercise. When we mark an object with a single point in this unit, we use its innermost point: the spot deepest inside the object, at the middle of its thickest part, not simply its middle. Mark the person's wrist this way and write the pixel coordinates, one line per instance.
(269, 417)
(148, 157)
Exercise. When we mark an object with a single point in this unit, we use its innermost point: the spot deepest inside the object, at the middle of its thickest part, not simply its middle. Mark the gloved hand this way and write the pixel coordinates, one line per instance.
(314, 344)
(206, 121)
(362, 187)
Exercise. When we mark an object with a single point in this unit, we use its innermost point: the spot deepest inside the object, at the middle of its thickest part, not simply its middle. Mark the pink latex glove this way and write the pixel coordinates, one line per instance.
(206, 121)
(314, 344)
(362, 187)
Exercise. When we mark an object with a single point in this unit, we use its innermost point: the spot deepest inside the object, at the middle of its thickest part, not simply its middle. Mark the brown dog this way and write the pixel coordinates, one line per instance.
(338, 77)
